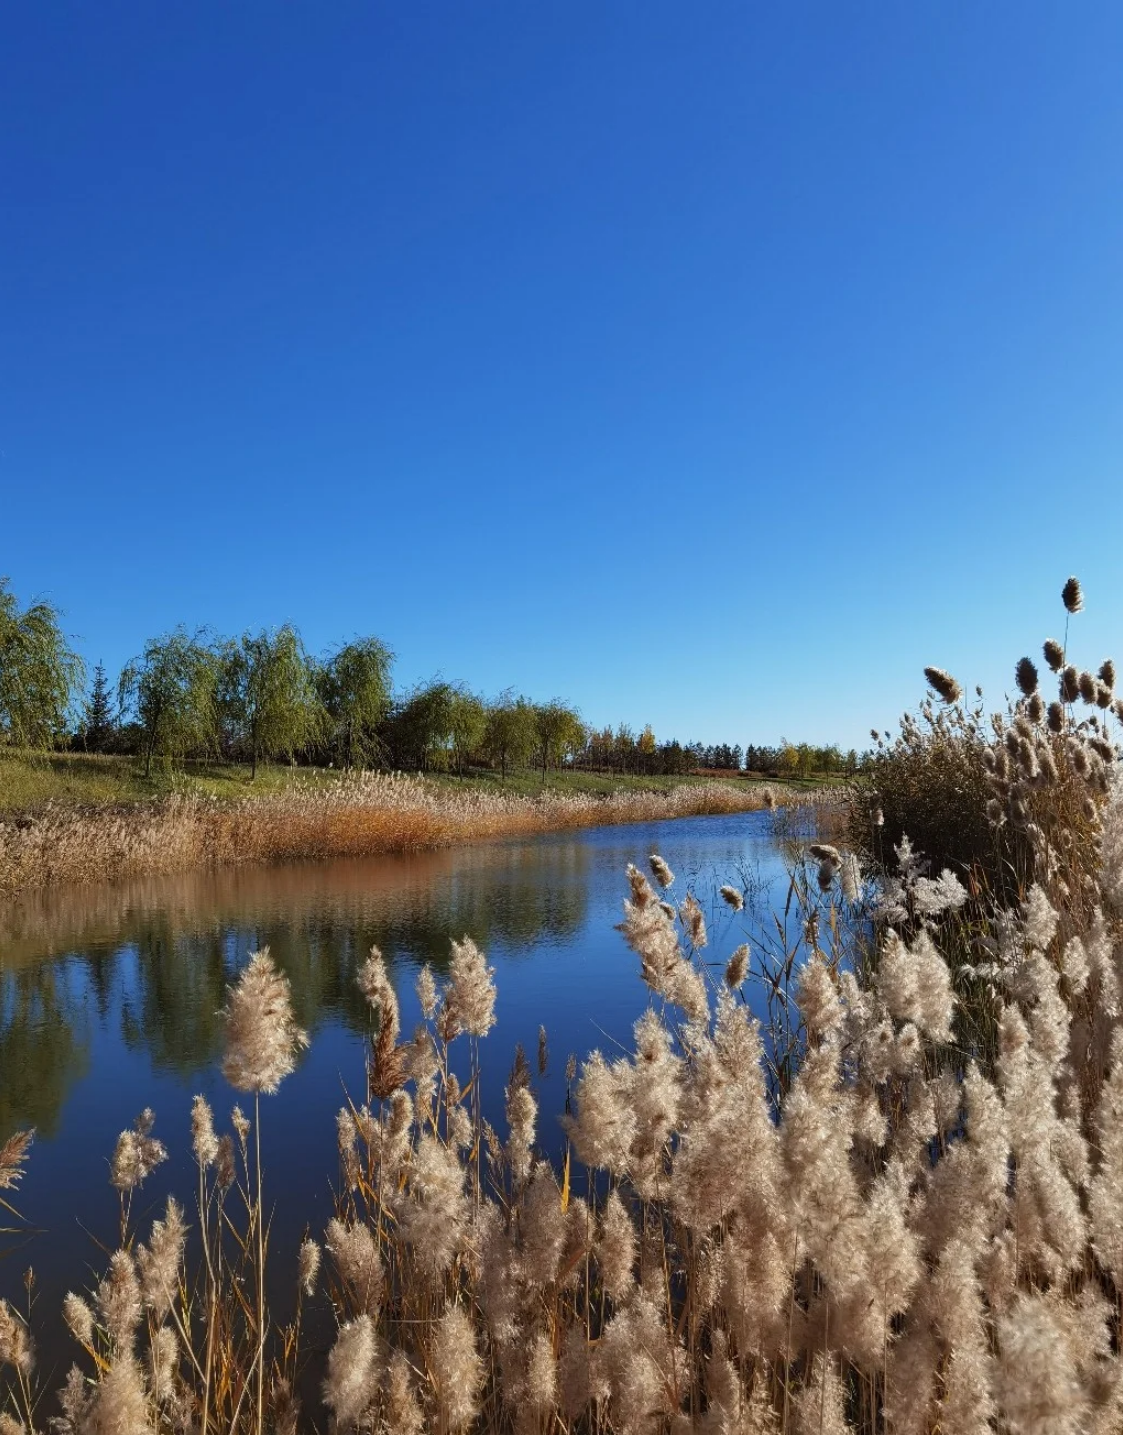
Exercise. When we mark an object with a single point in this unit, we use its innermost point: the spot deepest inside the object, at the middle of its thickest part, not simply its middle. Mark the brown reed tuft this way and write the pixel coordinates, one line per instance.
(944, 684)
(1025, 675)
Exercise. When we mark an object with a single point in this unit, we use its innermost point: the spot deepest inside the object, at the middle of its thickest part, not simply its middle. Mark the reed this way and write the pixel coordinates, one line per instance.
(360, 815)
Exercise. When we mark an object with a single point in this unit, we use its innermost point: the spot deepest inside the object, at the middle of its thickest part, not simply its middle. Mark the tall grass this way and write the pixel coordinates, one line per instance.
(357, 816)
(858, 1217)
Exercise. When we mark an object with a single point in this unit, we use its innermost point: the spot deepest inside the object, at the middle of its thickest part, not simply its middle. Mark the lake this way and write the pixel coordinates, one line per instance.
(109, 1002)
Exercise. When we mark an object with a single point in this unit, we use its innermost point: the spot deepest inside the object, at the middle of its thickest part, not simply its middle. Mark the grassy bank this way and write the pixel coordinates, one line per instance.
(214, 817)
(30, 782)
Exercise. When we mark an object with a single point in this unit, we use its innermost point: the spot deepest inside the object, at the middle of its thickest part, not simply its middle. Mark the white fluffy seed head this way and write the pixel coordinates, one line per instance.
(262, 1037)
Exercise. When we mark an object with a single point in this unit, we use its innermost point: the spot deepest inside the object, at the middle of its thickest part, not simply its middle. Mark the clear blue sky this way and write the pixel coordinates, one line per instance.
(717, 366)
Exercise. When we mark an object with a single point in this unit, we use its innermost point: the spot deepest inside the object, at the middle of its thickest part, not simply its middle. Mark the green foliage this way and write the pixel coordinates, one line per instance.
(98, 726)
(354, 687)
(510, 732)
(268, 694)
(560, 732)
(419, 730)
(40, 676)
(173, 689)
(468, 719)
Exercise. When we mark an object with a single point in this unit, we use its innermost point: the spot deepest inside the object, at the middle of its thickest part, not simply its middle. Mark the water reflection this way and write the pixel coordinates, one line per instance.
(178, 940)
(109, 997)
(44, 1046)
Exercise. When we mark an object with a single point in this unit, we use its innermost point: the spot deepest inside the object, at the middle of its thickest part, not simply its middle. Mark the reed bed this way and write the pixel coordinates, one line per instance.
(360, 816)
(895, 1206)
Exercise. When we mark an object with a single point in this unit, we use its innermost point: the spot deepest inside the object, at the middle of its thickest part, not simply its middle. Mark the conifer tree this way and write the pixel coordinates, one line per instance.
(97, 718)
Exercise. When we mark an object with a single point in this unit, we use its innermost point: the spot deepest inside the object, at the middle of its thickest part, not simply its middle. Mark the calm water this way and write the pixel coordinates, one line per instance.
(109, 1000)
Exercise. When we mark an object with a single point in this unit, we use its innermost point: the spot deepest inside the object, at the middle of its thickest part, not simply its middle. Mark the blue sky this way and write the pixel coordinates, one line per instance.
(715, 366)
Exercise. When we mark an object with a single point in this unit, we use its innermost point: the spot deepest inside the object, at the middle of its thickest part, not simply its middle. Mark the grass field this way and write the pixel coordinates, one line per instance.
(31, 781)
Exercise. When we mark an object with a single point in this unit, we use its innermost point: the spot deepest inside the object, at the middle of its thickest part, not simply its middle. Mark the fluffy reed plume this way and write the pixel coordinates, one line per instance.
(137, 1154)
(662, 873)
(1107, 674)
(79, 1318)
(402, 1411)
(351, 1386)
(732, 897)
(15, 1344)
(470, 997)
(850, 877)
(13, 1155)
(944, 684)
(457, 1369)
(357, 1263)
(262, 1037)
(308, 1268)
(1072, 596)
(119, 1301)
(694, 921)
(204, 1141)
(522, 1118)
(427, 994)
(737, 968)
(159, 1262)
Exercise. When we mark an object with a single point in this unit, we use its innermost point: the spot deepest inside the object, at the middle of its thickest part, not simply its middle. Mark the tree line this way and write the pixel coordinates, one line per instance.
(262, 697)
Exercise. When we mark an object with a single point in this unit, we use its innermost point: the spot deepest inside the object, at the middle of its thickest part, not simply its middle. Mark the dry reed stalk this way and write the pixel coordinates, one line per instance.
(365, 815)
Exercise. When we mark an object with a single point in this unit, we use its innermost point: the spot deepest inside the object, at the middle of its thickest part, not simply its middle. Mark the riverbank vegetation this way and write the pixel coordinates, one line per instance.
(335, 815)
(262, 698)
(895, 1206)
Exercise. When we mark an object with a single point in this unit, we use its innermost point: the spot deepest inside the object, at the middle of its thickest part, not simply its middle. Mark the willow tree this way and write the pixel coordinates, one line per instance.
(511, 732)
(269, 695)
(173, 689)
(40, 677)
(354, 687)
(419, 729)
(559, 731)
(468, 726)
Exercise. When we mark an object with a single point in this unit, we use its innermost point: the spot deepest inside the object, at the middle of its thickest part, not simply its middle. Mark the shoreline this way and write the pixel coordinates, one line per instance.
(364, 816)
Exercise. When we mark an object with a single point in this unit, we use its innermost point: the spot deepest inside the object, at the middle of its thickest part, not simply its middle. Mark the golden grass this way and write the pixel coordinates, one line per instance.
(357, 816)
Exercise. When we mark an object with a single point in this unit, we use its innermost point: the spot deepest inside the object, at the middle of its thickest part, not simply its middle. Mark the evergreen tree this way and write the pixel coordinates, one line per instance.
(97, 719)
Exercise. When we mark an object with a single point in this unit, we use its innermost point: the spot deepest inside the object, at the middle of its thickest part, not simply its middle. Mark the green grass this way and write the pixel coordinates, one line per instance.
(29, 781)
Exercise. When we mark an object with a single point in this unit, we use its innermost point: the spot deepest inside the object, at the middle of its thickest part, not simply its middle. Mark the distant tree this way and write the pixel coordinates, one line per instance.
(645, 748)
(98, 725)
(268, 694)
(511, 732)
(354, 687)
(468, 720)
(173, 689)
(40, 676)
(418, 731)
(559, 730)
